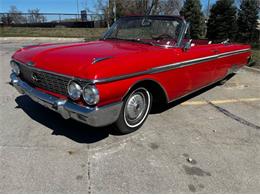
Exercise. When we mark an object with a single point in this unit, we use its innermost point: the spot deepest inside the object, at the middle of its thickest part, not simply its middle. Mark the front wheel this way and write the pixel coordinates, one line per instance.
(134, 112)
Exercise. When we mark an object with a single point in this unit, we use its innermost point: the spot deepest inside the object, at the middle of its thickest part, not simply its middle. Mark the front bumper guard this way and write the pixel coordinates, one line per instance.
(93, 116)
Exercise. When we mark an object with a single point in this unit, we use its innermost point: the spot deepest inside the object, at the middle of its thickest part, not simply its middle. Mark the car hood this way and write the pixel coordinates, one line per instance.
(76, 59)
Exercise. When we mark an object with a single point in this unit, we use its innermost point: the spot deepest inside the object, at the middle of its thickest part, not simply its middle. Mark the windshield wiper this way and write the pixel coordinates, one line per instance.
(132, 40)
(111, 38)
(140, 41)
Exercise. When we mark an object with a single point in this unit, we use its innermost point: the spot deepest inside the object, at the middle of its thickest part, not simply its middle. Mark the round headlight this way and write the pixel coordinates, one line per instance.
(74, 90)
(15, 68)
(91, 95)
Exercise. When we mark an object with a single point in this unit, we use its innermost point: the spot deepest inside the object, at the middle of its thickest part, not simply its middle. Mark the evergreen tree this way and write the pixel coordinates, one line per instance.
(247, 21)
(222, 21)
(192, 13)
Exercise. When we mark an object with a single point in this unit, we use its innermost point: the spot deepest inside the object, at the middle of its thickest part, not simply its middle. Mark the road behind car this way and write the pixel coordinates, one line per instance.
(208, 144)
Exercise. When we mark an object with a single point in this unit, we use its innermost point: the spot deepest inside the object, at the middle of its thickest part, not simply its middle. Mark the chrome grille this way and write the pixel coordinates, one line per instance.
(50, 82)
(44, 80)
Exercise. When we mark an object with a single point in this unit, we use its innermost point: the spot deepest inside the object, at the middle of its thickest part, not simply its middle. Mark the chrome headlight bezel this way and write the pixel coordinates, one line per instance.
(76, 94)
(91, 94)
(15, 68)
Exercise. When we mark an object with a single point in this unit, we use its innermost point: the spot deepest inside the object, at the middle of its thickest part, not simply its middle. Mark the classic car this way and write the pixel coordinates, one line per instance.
(140, 62)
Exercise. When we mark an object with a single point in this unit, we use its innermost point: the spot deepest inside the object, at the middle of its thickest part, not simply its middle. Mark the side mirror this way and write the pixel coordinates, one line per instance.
(187, 45)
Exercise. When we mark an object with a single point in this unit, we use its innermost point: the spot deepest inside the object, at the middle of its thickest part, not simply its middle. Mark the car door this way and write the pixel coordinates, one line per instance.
(187, 70)
(199, 62)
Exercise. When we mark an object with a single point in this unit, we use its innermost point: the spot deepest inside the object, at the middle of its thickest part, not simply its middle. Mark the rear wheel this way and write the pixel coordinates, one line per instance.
(134, 112)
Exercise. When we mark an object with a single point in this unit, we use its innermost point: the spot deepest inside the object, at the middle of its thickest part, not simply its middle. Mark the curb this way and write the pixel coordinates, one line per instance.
(39, 38)
(251, 69)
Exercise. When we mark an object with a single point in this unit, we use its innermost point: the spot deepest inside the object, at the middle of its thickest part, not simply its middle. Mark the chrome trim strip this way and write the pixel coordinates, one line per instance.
(227, 54)
(122, 77)
(93, 116)
(184, 63)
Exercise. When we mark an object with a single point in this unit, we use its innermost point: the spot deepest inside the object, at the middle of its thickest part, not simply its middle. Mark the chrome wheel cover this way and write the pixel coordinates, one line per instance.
(137, 107)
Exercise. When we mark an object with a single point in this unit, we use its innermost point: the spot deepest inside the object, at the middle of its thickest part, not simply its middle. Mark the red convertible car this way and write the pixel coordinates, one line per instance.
(140, 62)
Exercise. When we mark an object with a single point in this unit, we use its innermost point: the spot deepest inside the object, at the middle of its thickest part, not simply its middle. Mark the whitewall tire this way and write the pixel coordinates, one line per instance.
(135, 111)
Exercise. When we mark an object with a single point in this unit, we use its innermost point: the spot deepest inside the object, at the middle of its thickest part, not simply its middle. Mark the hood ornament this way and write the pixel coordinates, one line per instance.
(96, 60)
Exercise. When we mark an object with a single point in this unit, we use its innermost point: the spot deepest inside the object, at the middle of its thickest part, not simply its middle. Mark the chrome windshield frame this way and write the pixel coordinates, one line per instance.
(183, 30)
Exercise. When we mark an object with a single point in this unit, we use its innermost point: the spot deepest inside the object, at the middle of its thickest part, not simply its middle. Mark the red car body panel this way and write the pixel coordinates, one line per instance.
(126, 58)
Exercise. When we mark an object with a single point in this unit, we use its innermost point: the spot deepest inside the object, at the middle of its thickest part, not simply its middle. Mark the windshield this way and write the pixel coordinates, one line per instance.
(161, 31)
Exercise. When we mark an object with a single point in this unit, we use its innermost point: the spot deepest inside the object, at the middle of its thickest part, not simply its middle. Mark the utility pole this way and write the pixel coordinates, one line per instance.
(108, 15)
(113, 7)
(114, 10)
(77, 8)
(208, 8)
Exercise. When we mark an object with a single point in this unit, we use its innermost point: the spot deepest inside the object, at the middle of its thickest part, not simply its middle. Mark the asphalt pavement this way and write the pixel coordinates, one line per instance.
(206, 143)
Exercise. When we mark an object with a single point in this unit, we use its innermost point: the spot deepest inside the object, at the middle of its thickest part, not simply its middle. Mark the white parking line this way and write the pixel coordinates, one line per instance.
(194, 103)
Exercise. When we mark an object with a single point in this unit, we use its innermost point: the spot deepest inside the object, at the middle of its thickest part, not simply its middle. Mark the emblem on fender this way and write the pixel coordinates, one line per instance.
(35, 77)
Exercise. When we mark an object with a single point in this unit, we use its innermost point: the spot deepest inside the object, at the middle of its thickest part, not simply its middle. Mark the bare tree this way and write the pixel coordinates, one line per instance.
(124, 7)
(35, 16)
(103, 7)
(15, 16)
(5, 19)
(170, 7)
(138, 7)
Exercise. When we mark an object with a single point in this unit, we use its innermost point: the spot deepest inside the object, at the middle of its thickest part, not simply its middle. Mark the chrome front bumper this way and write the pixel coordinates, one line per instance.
(96, 116)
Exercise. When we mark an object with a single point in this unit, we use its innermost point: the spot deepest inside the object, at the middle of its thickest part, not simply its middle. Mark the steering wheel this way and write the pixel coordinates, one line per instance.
(163, 36)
